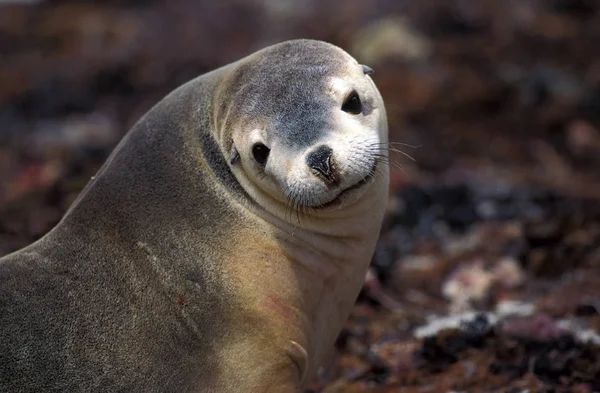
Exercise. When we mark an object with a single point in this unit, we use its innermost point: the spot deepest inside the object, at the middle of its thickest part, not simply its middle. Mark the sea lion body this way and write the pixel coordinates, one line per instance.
(174, 271)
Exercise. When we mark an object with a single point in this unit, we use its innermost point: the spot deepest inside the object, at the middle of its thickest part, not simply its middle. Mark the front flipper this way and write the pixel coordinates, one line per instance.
(300, 358)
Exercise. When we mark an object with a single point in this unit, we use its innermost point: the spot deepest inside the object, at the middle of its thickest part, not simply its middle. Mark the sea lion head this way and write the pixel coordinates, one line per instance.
(302, 125)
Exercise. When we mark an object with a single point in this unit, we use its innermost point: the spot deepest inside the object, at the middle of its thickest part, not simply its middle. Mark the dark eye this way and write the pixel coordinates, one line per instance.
(352, 104)
(260, 153)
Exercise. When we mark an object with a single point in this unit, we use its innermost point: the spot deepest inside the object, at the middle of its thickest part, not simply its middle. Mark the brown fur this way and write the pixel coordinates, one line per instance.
(166, 276)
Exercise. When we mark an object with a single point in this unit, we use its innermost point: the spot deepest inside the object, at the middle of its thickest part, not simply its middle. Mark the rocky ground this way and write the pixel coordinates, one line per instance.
(487, 274)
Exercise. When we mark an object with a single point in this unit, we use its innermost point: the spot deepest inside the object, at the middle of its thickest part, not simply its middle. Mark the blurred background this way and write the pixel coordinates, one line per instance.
(486, 277)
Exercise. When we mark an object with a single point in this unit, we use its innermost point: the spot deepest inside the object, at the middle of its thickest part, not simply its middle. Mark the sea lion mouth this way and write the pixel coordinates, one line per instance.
(338, 199)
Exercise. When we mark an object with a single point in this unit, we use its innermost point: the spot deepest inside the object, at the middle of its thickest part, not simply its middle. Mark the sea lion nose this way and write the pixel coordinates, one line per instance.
(320, 160)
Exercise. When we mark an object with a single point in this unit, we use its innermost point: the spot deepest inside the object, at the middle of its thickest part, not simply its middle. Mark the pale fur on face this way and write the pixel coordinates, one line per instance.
(306, 113)
(355, 142)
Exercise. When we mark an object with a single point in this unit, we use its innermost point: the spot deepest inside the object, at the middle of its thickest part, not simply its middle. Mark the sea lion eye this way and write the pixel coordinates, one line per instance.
(260, 153)
(352, 104)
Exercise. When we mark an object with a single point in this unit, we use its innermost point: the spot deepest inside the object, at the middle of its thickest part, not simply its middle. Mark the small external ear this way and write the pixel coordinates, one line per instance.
(235, 156)
(367, 70)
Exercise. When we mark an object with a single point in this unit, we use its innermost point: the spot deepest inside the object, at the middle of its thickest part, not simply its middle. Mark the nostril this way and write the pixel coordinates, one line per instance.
(320, 160)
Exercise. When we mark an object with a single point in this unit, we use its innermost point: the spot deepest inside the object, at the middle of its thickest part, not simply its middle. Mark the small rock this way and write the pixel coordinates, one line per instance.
(509, 308)
(508, 273)
(436, 325)
(390, 38)
(467, 284)
(539, 327)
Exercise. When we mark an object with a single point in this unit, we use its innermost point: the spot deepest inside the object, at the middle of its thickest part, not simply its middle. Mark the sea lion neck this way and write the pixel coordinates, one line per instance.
(159, 168)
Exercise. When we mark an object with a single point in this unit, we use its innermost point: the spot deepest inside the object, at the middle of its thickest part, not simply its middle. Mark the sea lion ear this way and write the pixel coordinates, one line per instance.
(235, 156)
(366, 69)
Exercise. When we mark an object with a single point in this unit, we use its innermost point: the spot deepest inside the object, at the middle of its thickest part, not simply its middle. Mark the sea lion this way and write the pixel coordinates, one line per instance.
(221, 246)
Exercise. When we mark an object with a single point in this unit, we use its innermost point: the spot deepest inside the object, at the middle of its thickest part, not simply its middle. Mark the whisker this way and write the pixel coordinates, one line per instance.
(379, 156)
(400, 144)
(401, 152)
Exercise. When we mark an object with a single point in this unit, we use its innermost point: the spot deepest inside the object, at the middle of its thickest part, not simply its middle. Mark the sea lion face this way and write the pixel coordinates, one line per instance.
(307, 124)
